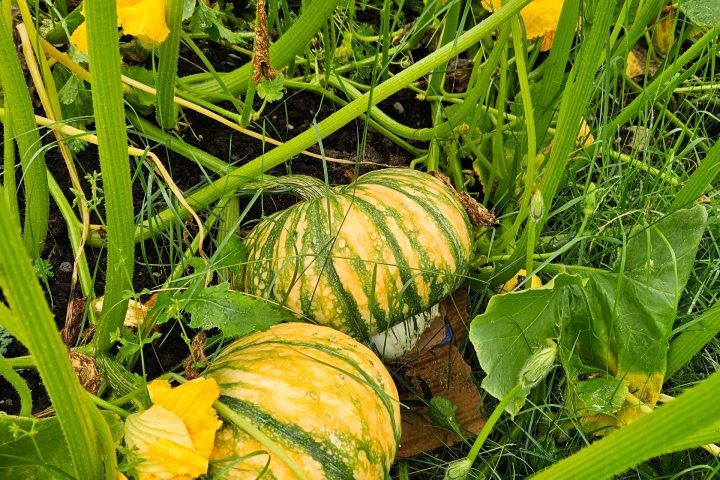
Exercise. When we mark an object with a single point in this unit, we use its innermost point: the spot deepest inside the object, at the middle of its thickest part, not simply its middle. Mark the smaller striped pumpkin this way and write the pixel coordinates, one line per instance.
(362, 257)
(326, 400)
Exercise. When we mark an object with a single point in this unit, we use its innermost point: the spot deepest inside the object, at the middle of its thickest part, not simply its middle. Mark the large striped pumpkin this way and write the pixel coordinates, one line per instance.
(366, 256)
(321, 397)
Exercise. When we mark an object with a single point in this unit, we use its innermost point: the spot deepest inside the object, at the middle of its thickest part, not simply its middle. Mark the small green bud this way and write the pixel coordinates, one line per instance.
(458, 469)
(538, 365)
(589, 202)
(537, 206)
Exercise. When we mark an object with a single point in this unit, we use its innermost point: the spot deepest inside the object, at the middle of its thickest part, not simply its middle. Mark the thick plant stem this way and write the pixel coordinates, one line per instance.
(253, 169)
(114, 164)
(17, 101)
(167, 69)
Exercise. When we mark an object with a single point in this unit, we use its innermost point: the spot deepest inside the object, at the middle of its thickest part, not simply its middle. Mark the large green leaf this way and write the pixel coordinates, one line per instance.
(513, 327)
(613, 326)
(622, 320)
(31, 448)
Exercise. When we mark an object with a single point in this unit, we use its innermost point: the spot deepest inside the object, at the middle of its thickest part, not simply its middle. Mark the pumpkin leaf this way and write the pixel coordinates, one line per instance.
(272, 90)
(34, 448)
(622, 320)
(703, 13)
(613, 326)
(444, 414)
(512, 328)
(233, 312)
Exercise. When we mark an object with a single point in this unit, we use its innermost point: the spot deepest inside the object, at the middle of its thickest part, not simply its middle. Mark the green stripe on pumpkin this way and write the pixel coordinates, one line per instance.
(410, 295)
(334, 461)
(323, 243)
(340, 353)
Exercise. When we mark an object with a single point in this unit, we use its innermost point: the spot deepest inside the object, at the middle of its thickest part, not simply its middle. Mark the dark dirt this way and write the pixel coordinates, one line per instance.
(282, 120)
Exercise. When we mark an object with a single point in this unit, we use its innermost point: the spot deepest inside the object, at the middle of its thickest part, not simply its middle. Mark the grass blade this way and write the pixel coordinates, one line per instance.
(699, 180)
(17, 101)
(693, 339)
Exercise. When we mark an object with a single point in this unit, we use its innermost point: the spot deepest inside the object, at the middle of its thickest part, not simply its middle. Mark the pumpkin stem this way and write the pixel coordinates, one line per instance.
(307, 188)
(478, 214)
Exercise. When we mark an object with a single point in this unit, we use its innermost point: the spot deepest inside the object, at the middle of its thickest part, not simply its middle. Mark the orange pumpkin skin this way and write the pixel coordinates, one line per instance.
(325, 399)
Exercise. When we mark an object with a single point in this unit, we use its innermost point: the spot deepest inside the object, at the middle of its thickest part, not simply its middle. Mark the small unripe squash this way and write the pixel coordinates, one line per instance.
(366, 256)
(325, 399)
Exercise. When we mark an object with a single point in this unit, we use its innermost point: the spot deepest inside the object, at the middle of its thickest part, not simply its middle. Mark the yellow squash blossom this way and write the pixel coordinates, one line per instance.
(174, 437)
(510, 285)
(540, 17)
(144, 19)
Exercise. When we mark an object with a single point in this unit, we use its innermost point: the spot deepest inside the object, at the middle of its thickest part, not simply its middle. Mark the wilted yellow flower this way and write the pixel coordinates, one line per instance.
(144, 19)
(540, 17)
(510, 285)
(634, 68)
(174, 437)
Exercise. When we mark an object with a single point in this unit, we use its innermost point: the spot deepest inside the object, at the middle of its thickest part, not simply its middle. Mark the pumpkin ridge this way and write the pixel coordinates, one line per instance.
(330, 458)
(431, 208)
(410, 295)
(339, 354)
(351, 313)
(262, 252)
(427, 271)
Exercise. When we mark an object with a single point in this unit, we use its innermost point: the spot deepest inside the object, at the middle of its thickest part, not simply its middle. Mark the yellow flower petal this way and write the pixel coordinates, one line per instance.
(174, 437)
(634, 68)
(192, 402)
(163, 443)
(144, 19)
(79, 37)
(540, 18)
(510, 285)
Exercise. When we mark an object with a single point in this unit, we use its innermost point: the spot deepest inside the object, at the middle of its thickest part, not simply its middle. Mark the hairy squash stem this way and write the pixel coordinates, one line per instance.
(250, 171)
(17, 382)
(169, 52)
(32, 159)
(107, 100)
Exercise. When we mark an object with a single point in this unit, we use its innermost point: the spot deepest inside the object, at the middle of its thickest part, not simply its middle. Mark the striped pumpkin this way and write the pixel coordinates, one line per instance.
(366, 256)
(324, 399)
